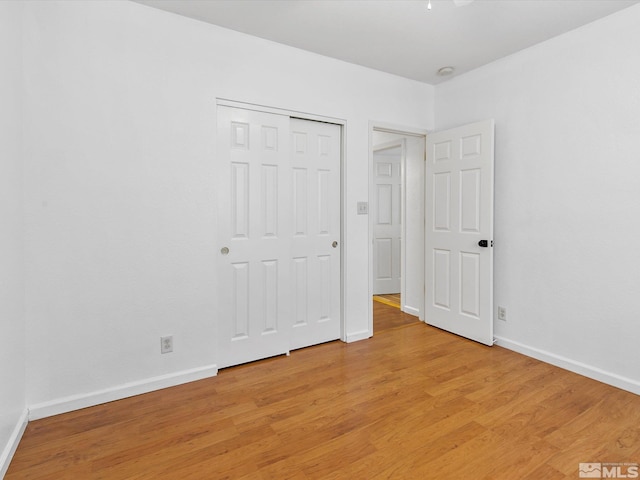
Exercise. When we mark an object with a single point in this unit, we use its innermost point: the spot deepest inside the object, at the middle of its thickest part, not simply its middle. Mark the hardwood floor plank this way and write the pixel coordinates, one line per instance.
(411, 402)
(545, 472)
(393, 299)
(388, 316)
(424, 460)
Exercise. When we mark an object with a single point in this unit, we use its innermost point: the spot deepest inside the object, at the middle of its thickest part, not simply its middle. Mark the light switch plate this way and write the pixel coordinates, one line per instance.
(363, 208)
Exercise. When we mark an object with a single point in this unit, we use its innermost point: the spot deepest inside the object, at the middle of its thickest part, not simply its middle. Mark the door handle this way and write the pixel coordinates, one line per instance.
(334, 244)
(484, 243)
(224, 251)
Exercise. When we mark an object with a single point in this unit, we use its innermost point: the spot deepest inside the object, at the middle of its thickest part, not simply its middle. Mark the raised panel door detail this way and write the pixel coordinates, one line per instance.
(269, 138)
(470, 200)
(470, 146)
(324, 145)
(241, 300)
(442, 278)
(385, 204)
(269, 201)
(324, 264)
(384, 169)
(384, 257)
(470, 284)
(300, 201)
(240, 135)
(270, 289)
(442, 201)
(324, 179)
(300, 142)
(300, 276)
(442, 151)
(240, 200)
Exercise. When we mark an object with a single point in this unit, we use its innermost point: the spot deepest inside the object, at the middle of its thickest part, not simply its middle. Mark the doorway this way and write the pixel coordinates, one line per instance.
(396, 218)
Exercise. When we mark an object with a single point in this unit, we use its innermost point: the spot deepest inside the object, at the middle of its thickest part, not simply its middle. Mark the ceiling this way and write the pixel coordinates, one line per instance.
(401, 37)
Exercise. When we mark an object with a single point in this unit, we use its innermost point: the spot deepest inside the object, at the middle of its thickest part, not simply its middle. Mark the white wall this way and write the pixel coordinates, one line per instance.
(567, 196)
(121, 174)
(12, 325)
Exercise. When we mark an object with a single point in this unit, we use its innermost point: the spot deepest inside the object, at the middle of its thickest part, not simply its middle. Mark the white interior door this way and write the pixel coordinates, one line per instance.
(459, 209)
(387, 224)
(315, 206)
(279, 234)
(254, 229)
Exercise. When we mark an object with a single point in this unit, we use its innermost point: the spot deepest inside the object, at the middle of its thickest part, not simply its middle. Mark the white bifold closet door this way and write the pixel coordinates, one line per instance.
(279, 228)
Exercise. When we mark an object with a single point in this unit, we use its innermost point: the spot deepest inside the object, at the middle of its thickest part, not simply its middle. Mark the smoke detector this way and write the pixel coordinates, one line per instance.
(445, 71)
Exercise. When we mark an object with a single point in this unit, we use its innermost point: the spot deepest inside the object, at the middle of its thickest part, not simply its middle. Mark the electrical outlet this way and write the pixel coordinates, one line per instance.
(502, 313)
(166, 344)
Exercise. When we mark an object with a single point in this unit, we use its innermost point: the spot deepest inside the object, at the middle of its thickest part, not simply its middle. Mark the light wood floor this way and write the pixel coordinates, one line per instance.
(393, 299)
(413, 402)
(386, 317)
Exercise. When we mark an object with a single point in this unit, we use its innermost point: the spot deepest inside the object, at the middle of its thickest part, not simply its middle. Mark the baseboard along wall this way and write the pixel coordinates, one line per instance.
(76, 402)
(595, 373)
(14, 440)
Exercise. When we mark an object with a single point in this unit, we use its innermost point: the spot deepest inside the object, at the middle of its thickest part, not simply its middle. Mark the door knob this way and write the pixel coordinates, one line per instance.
(224, 250)
(484, 243)
(334, 244)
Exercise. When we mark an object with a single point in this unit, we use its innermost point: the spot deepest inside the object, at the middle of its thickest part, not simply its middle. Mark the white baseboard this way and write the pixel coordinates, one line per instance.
(76, 402)
(595, 373)
(10, 448)
(411, 311)
(357, 336)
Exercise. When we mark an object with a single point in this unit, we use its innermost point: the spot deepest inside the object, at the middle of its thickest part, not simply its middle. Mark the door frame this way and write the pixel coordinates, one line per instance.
(342, 123)
(405, 131)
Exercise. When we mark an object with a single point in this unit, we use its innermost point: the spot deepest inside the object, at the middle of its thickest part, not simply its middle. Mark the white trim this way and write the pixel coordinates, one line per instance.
(343, 233)
(580, 368)
(403, 221)
(411, 311)
(14, 441)
(279, 111)
(357, 336)
(76, 402)
(398, 129)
